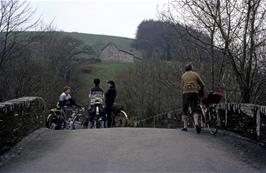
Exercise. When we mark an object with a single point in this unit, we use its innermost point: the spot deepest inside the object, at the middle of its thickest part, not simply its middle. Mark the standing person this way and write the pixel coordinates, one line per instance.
(96, 93)
(110, 96)
(191, 83)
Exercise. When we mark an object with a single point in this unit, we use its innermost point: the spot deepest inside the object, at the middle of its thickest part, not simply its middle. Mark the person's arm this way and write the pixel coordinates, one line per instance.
(102, 97)
(73, 103)
(62, 100)
(115, 94)
(102, 94)
(61, 103)
(200, 81)
(112, 95)
(90, 93)
(182, 83)
(107, 94)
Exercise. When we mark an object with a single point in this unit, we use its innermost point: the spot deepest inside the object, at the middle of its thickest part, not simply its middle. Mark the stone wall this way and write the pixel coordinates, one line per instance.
(126, 57)
(248, 120)
(18, 118)
(112, 54)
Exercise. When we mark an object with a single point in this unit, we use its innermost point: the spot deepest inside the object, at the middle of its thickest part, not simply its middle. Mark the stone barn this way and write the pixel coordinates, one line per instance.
(111, 53)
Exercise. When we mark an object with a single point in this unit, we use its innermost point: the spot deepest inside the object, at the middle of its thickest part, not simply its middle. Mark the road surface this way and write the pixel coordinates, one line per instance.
(133, 150)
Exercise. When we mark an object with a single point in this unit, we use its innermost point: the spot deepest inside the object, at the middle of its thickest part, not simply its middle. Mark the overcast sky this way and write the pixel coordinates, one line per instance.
(107, 17)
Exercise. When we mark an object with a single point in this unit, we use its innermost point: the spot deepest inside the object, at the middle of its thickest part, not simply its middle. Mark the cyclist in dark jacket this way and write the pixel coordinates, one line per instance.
(110, 96)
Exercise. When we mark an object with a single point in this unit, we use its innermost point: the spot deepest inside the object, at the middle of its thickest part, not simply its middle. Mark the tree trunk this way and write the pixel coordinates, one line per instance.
(245, 95)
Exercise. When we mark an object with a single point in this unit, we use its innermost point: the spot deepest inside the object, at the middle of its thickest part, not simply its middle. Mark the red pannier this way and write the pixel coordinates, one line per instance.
(211, 97)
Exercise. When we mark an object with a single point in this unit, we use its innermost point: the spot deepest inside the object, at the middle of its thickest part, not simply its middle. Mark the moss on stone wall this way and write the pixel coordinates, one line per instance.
(18, 118)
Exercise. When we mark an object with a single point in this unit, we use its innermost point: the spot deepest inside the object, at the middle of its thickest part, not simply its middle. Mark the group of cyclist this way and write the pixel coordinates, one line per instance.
(96, 92)
(191, 84)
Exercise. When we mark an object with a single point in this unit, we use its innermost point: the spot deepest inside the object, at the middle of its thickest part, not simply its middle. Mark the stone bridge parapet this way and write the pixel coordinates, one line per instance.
(19, 117)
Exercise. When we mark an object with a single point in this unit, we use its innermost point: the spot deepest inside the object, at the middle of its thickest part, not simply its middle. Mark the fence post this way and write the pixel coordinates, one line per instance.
(258, 123)
(226, 114)
(153, 121)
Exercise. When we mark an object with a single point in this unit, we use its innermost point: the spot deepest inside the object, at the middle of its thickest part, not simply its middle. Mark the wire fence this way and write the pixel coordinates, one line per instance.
(166, 119)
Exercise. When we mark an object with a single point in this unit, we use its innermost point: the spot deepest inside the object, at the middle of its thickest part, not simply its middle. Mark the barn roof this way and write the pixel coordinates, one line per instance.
(111, 43)
(108, 44)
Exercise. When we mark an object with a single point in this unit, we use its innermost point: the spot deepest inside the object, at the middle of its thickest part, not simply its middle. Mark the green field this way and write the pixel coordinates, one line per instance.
(89, 70)
(99, 41)
(103, 71)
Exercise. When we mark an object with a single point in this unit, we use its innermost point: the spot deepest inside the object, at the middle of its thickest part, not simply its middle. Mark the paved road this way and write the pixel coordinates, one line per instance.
(134, 150)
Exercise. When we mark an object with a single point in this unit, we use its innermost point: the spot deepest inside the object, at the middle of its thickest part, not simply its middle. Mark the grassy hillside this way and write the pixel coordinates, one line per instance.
(99, 41)
(88, 70)
(103, 71)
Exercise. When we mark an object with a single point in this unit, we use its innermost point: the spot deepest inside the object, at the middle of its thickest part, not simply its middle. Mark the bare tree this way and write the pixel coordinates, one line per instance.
(15, 17)
(62, 52)
(151, 86)
(237, 28)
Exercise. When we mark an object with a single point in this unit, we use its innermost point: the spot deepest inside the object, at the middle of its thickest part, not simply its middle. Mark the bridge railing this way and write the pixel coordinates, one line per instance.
(166, 119)
(248, 120)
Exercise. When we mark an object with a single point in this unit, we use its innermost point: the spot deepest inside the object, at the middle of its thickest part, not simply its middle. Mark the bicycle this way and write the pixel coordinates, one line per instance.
(208, 117)
(119, 116)
(77, 119)
(95, 117)
(57, 120)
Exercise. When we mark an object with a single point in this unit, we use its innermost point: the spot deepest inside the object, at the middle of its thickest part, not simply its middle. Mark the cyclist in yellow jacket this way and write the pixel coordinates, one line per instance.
(191, 83)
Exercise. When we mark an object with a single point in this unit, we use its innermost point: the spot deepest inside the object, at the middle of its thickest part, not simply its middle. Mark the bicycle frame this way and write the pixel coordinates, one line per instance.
(58, 119)
(205, 118)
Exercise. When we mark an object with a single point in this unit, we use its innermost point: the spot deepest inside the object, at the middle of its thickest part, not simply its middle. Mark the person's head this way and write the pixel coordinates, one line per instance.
(67, 89)
(188, 67)
(96, 82)
(111, 83)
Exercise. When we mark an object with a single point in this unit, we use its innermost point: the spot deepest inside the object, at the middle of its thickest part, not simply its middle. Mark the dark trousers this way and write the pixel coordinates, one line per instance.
(92, 114)
(108, 111)
(190, 99)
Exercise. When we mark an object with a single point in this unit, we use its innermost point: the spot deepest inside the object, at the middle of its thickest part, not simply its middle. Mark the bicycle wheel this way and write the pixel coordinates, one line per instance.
(99, 123)
(51, 121)
(120, 119)
(79, 122)
(213, 122)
